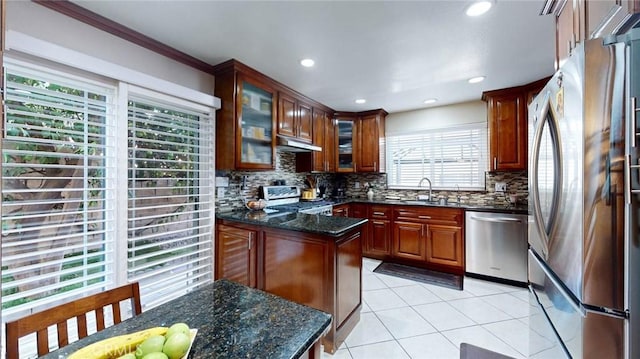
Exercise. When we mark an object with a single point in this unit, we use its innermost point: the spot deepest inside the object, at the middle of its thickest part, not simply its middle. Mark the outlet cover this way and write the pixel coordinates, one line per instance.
(356, 185)
(501, 187)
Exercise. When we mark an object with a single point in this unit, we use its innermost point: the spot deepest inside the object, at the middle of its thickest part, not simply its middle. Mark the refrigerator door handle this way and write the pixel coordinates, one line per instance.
(556, 282)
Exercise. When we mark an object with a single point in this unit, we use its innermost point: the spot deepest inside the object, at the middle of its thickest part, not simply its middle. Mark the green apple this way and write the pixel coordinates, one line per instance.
(177, 345)
(128, 356)
(153, 344)
(177, 328)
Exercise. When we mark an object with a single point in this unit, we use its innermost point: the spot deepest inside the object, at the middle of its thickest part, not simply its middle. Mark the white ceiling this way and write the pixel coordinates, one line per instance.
(395, 54)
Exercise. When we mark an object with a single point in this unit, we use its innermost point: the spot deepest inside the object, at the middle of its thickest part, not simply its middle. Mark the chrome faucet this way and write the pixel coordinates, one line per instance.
(429, 181)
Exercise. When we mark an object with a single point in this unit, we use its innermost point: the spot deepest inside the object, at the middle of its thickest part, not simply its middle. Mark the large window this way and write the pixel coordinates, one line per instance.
(170, 198)
(65, 202)
(447, 157)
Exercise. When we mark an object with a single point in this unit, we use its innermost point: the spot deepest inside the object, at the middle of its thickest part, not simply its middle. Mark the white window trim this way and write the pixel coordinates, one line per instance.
(21, 42)
(425, 185)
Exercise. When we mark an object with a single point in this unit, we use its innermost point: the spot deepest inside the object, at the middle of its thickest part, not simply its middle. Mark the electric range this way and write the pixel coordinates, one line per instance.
(287, 199)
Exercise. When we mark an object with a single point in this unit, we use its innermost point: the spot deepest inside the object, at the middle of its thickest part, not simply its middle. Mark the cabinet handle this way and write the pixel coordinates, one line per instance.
(424, 217)
(375, 166)
(495, 163)
(250, 242)
(378, 213)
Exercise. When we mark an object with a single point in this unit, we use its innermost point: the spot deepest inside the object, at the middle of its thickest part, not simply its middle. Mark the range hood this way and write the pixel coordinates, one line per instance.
(291, 145)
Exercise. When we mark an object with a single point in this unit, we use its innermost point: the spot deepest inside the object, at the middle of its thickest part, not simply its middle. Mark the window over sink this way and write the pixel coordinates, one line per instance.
(449, 156)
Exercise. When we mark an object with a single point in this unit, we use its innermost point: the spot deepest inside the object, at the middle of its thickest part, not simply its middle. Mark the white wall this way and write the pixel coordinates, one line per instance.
(436, 117)
(37, 21)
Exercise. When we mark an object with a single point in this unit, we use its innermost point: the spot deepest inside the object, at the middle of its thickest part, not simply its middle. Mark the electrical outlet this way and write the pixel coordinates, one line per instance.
(356, 185)
(501, 187)
(220, 192)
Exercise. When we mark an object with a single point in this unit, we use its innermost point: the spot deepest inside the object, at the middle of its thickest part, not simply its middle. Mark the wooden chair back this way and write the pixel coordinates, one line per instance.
(40, 322)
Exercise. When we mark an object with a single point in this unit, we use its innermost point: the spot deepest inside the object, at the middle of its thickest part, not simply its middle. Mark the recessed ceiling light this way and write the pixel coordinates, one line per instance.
(307, 62)
(361, 101)
(430, 100)
(478, 8)
(475, 80)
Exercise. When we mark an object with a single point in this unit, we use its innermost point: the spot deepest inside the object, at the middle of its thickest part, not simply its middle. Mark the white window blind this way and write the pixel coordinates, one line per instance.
(170, 221)
(448, 157)
(57, 215)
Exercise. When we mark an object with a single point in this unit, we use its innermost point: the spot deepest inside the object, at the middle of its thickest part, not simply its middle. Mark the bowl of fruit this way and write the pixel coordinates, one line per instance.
(173, 342)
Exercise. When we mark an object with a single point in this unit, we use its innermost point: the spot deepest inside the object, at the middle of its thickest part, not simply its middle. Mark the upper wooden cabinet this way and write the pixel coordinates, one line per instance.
(371, 141)
(360, 138)
(256, 108)
(294, 117)
(245, 135)
(579, 20)
(507, 123)
(323, 136)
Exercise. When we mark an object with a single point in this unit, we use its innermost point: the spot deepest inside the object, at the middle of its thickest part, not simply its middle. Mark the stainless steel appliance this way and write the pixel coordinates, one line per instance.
(496, 245)
(584, 256)
(287, 199)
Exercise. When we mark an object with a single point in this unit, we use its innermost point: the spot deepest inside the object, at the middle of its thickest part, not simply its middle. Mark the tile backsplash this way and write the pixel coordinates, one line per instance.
(285, 170)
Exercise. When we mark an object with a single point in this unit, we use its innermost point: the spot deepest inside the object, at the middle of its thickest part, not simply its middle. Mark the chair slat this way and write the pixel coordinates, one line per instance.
(43, 341)
(63, 334)
(39, 322)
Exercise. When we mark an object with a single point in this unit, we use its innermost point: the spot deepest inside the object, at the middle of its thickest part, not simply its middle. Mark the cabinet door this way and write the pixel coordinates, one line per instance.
(409, 241)
(345, 135)
(256, 116)
(329, 148)
(566, 33)
(236, 255)
(318, 161)
(286, 115)
(304, 126)
(368, 148)
(379, 240)
(340, 210)
(508, 133)
(444, 245)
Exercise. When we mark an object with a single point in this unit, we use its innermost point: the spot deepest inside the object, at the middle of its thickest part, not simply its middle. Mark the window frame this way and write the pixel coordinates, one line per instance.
(117, 180)
(429, 173)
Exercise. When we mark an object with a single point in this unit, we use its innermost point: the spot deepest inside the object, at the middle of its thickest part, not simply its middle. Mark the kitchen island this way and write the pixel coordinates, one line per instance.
(233, 321)
(309, 259)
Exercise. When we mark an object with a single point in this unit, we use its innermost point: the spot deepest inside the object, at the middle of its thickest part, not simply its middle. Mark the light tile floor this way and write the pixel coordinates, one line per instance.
(406, 319)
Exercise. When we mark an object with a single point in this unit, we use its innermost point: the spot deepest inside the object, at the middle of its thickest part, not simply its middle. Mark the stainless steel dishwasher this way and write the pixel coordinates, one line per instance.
(496, 245)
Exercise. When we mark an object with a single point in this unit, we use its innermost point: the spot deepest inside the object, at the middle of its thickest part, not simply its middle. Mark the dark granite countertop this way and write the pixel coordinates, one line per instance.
(312, 223)
(495, 207)
(233, 321)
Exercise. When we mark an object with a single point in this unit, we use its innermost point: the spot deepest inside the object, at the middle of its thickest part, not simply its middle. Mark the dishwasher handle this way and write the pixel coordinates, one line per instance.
(497, 220)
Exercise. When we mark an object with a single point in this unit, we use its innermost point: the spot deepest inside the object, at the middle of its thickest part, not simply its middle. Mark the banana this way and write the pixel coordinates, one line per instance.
(116, 346)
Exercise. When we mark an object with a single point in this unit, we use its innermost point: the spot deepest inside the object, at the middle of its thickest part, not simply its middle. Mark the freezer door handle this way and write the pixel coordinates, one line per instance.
(572, 302)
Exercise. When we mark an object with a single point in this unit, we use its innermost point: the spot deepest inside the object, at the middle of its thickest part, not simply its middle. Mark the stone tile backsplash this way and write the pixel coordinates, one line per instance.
(285, 170)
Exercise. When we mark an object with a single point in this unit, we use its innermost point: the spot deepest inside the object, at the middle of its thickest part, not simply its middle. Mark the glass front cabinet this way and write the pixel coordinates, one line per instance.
(345, 130)
(255, 123)
(245, 136)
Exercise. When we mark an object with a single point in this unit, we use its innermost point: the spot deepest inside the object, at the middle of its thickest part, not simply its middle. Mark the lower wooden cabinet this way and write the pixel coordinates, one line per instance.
(236, 255)
(311, 269)
(444, 246)
(378, 242)
(341, 210)
(409, 241)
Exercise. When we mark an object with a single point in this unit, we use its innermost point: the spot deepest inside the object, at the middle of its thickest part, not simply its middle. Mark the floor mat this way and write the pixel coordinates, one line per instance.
(446, 280)
(468, 351)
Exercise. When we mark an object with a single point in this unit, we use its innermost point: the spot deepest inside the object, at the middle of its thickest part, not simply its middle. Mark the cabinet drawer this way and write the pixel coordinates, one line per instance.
(440, 215)
(381, 212)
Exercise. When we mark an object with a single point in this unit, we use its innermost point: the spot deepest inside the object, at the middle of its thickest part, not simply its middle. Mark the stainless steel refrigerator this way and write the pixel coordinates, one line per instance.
(584, 236)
